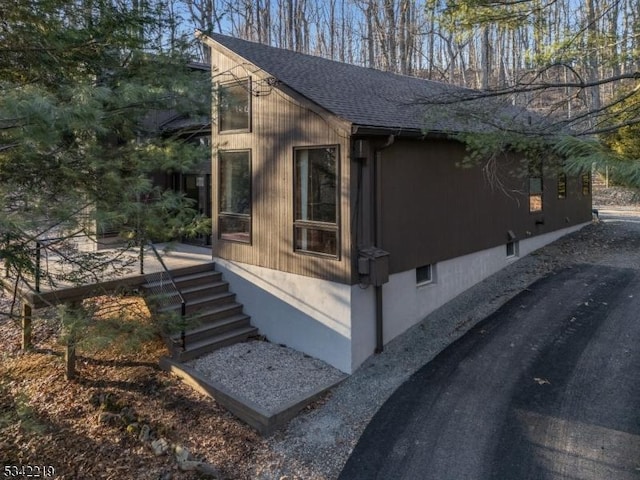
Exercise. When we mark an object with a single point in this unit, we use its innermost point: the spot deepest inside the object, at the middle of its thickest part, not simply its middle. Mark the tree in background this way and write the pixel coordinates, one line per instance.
(78, 83)
(565, 60)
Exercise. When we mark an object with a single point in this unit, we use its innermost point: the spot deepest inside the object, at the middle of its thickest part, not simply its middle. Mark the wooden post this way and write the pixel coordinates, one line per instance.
(70, 360)
(26, 326)
(70, 349)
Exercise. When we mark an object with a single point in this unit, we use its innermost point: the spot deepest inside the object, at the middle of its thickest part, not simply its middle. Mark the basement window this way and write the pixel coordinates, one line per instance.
(512, 249)
(425, 275)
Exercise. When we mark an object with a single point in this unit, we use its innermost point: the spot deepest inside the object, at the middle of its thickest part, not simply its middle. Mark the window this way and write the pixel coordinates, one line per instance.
(586, 183)
(535, 186)
(234, 190)
(234, 106)
(512, 249)
(425, 274)
(316, 200)
(562, 185)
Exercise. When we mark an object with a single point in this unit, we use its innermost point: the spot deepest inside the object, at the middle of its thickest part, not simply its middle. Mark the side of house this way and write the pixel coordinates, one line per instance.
(338, 236)
(282, 209)
(447, 228)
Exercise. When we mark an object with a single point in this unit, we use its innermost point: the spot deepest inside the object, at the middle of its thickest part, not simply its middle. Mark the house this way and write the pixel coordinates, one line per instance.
(195, 183)
(341, 216)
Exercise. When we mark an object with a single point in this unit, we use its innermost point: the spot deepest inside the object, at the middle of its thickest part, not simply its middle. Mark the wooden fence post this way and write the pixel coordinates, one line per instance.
(70, 349)
(26, 326)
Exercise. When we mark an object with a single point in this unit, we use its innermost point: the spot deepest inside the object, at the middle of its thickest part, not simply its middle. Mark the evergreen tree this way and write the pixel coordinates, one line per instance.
(78, 86)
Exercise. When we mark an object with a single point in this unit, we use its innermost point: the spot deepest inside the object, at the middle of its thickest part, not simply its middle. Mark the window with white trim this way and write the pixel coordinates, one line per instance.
(425, 274)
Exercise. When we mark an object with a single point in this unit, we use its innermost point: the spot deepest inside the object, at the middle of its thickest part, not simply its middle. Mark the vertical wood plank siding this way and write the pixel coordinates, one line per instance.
(433, 210)
(279, 123)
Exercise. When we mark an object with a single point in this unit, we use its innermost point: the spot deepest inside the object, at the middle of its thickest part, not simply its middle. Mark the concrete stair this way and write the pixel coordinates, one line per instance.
(214, 318)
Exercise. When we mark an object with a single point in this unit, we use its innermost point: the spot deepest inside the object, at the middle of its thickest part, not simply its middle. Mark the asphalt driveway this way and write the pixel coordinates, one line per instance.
(548, 387)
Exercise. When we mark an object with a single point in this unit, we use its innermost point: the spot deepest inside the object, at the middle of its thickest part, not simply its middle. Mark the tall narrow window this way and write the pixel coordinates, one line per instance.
(535, 186)
(234, 106)
(316, 200)
(234, 190)
(586, 183)
(562, 185)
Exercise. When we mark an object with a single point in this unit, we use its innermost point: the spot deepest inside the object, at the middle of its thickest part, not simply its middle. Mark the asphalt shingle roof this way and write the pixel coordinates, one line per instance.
(362, 96)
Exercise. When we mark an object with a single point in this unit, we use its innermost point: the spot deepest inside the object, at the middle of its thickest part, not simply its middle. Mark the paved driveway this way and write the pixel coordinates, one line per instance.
(546, 388)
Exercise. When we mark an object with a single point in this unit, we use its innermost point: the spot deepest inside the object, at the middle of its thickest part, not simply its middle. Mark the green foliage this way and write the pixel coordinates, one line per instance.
(19, 410)
(585, 154)
(481, 146)
(79, 91)
(625, 140)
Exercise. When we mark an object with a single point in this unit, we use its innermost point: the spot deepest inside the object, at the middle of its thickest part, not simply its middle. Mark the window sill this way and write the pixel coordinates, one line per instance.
(310, 253)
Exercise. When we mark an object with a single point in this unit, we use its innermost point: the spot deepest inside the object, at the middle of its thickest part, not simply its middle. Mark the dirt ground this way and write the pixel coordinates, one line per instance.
(102, 425)
(95, 427)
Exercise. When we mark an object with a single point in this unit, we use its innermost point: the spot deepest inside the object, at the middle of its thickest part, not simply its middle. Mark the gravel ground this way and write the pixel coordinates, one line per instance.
(317, 443)
(278, 375)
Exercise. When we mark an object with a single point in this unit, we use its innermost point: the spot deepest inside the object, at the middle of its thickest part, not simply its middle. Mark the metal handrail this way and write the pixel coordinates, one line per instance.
(165, 273)
(183, 303)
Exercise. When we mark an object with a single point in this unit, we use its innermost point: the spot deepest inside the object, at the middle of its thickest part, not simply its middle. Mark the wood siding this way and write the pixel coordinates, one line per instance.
(433, 210)
(280, 122)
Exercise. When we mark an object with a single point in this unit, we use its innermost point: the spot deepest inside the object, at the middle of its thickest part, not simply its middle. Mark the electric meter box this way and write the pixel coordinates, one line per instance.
(373, 263)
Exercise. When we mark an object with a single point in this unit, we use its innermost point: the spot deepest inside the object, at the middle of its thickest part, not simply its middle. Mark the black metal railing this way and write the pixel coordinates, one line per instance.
(70, 265)
(165, 293)
(32, 264)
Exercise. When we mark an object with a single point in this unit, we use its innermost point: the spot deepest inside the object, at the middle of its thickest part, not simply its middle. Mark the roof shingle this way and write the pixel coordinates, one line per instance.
(362, 96)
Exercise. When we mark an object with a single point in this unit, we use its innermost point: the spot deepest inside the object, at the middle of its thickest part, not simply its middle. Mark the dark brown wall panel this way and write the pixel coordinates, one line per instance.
(433, 209)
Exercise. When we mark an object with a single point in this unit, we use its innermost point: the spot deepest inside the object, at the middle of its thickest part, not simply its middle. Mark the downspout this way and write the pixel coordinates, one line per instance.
(377, 232)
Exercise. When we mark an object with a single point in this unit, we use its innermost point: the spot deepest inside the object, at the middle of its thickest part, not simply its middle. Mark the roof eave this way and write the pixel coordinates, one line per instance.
(369, 130)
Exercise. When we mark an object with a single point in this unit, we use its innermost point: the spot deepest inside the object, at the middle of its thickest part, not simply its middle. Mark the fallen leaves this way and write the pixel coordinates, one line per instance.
(84, 428)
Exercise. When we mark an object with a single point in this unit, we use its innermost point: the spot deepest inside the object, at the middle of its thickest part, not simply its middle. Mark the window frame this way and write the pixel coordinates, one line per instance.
(585, 180)
(536, 173)
(562, 186)
(233, 215)
(431, 268)
(299, 224)
(247, 86)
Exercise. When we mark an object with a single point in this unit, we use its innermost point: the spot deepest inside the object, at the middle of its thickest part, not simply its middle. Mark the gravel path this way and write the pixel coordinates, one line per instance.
(317, 443)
